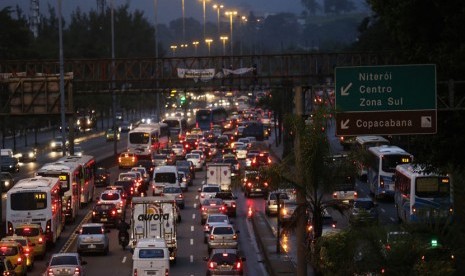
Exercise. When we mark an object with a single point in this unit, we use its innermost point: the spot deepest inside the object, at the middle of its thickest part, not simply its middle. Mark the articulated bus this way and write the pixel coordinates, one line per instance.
(70, 175)
(422, 196)
(148, 138)
(36, 201)
(88, 164)
(362, 144)
(381, 167)
(205, 119)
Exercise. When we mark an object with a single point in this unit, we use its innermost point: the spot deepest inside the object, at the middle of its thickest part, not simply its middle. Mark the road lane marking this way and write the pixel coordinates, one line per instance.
(192, 258)
(197, 197)
(192, 228)
(124, 260)
(193, 216)
(392, 219)
(382, 210)
(195, 205)
(192, 241)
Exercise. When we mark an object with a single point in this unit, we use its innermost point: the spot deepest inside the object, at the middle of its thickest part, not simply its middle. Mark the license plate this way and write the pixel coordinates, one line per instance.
(258, 190)
(151, 272)
(104, 219)
(92, 246)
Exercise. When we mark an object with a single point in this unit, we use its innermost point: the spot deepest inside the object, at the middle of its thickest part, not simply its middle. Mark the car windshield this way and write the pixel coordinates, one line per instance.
(104, 207)
(110, 196)
(151, 253)
(8, 250)
(367, 205)
(165, 177)
(193, 156)
(218, 219)
(223, 230)
(91, 230)
(172, 190)
(63, 260)
(211, 189)
(224, 258)
(27, 232)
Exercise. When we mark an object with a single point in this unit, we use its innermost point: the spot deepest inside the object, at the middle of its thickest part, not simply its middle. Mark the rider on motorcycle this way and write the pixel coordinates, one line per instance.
(123, 228)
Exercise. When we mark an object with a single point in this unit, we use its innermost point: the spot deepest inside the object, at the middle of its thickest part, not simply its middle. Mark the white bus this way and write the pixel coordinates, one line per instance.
(177, 127)
(422, 196)
(70, 175)
(36, 201)
(381, 167)
(148, 138)
(362, 144)
(88, 164)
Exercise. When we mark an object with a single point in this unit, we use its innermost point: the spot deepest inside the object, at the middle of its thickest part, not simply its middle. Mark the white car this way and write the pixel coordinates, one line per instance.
(115, 197)
(196, 160)
(241, 151)
(183, 180)
(202, 155)
(208, 191)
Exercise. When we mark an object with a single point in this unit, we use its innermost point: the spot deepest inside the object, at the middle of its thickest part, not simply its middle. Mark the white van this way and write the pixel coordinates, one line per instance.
(151, 257)
(164, 176)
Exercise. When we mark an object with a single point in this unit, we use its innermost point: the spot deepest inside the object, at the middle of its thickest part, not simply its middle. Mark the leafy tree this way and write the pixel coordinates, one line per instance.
(15, 38)
(311, 5)
(338, 6)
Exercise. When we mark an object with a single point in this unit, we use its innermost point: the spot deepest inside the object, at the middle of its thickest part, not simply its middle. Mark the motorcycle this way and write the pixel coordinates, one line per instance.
(123, 238)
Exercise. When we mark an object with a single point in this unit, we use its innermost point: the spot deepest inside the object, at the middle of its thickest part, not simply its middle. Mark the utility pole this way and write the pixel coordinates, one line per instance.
(301, 220)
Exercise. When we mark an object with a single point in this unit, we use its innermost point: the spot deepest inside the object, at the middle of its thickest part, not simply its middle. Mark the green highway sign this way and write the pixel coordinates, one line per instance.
(393, 99)
(392, 87)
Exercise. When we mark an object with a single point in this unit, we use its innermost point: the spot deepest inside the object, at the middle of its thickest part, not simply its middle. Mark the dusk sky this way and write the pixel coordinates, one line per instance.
(170, 9)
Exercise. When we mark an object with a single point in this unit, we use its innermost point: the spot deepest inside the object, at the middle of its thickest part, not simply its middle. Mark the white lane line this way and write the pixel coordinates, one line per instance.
(124, 260)
(195, 205)
(382, 210)
(192, 258)
(192, 228)
(392, 219)
(197, 197)
(192, 241)
(193, 216)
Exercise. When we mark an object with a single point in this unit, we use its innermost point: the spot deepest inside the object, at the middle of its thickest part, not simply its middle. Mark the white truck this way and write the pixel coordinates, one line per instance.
(155, 217)
(219, 173)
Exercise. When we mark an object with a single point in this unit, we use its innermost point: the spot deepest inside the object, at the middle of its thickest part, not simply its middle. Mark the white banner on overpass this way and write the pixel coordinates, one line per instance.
(196, 74)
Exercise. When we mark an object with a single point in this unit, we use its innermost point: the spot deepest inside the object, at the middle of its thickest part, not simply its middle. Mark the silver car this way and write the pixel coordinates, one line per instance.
(93, 238)
(213, 220)
(66, 264)
(222, 236)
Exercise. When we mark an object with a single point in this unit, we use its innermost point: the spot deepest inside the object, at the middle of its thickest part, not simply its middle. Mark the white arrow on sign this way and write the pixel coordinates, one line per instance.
(344, 90)
(345, 124)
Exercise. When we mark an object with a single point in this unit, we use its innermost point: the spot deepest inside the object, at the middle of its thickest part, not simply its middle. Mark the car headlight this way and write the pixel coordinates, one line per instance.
(31, 154)
(53, 144)
(7, 183)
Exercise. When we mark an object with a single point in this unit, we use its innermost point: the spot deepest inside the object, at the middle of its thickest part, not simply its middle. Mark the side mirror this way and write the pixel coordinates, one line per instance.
(77, 232)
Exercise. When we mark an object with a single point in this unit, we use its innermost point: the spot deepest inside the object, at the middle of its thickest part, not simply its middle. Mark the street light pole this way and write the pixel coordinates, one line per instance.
(224, 38)
(173, 48)
(278, 242)
(183, 23)
(231, 14)
(155, 5)
(218, 8)
(208, 41)
(204, 19)
(62, 80)
(196, 44)
(115, 147)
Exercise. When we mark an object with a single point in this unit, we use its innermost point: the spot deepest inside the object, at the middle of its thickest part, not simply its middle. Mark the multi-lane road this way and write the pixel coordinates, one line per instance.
(191, 248)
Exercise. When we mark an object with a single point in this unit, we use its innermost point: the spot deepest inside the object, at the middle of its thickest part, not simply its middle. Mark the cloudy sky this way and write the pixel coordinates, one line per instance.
(170, 9)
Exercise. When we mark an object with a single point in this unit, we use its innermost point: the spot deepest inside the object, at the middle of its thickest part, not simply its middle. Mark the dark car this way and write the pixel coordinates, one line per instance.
(9, 164)
(170, 156)
(229, 200)
(225, 262)
(222, 142)
(190, 144)
(147, 164)
(235, 166)
(106, 213)
(255, 184)
(129, 187)
(6, 181)
(262, 159)
(188, 174)
(187, 164)
(6, 267)
(364, 211)
(102, 177)
(28, 154)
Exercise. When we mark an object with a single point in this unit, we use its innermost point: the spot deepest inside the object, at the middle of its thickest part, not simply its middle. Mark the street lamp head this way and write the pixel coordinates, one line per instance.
(216, 6)
(230, 13)
(208, 40)
(173, 47)
(223, 38)
(195, 43)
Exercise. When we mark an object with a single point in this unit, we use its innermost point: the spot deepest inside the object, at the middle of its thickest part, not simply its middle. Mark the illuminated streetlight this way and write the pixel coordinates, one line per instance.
(204, 18)
(218, 8)
(231, 14)
(183, 22)
(224, 38)
(196, 44)
(173, 48)
(209, 42)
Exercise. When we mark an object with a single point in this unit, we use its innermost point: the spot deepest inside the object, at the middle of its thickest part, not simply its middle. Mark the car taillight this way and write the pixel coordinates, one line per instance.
(27, 251)
(19, 261)
(249, 184)
(180, 196)
(77, 271)
(167, 272)
(238, 265)
(334, 195)
(119, 159)
(48, 226)
(265, 184)
(233, 205)
(50, 272)
(94, 213)
(113, 212)
(206, 228)
(381, 184)
(10, 228)
(202, 195)
(41, 240)
(234, 237)
(204, 209)
(388, 247)
(269, 161)
(135, 272)
(355, 194)
(211, 265)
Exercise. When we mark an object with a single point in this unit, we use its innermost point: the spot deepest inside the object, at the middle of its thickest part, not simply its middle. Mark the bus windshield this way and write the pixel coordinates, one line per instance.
(172, 123)
(389, 162)
(428, 187)
(139, 138)
(28, 201)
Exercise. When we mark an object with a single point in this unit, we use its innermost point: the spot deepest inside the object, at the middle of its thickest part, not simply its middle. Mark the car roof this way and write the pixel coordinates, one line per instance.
(92, 224)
